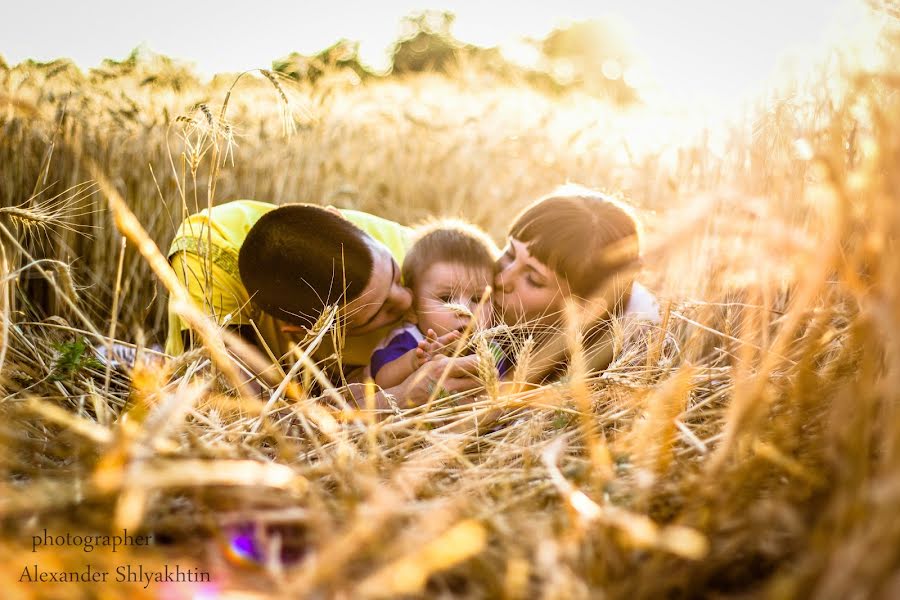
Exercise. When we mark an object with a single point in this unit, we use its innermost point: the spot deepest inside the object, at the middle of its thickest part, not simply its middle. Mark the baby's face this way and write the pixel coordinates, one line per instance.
(444, 285)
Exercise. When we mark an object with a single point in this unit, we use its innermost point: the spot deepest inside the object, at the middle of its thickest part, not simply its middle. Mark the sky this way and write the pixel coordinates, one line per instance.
(706, 48)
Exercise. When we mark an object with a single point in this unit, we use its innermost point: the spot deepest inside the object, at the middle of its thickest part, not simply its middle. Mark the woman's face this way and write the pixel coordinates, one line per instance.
(526, 289)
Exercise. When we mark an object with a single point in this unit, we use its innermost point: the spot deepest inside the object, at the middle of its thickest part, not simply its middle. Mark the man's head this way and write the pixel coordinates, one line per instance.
(299, 258)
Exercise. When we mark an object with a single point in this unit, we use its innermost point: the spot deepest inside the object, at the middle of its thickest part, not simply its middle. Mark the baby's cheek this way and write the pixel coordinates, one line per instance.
(421, 306)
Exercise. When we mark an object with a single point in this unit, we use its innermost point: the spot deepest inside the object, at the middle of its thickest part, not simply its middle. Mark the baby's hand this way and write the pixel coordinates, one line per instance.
(433, 345)
(418, 357)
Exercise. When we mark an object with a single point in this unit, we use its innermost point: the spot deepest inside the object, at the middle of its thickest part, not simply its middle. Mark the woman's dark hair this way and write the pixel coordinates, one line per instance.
(586, 237)
(299, 258)
(593, 242)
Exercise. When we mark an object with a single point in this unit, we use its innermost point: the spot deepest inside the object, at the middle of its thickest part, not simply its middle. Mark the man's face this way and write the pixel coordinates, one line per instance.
(383, 301)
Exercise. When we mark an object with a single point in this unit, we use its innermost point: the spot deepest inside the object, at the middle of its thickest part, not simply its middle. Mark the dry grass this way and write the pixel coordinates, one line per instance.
(751, 451)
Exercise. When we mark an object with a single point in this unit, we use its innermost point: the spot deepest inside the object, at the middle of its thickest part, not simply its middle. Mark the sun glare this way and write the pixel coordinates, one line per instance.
(695, 52)
(710, 53)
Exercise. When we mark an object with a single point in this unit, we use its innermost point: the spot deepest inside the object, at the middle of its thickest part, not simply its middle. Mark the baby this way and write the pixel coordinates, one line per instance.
(448, 268)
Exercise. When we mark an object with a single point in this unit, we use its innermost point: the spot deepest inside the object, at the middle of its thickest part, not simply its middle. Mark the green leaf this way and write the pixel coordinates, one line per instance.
(73, 357)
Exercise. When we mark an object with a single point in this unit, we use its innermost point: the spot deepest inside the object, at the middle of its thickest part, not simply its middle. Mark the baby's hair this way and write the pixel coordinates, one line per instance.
(448, 240)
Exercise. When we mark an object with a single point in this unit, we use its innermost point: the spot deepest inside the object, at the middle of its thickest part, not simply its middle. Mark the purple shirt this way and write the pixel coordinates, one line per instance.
(401, 341)
(405, 338)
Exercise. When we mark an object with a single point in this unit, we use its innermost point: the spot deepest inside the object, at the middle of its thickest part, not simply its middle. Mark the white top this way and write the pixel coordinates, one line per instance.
(643, 304)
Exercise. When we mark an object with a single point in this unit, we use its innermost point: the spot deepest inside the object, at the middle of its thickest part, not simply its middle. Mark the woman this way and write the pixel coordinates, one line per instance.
(576, 246)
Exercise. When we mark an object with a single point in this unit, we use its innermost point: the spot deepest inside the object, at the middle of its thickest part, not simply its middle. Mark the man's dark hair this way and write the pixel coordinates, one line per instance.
(299, 258)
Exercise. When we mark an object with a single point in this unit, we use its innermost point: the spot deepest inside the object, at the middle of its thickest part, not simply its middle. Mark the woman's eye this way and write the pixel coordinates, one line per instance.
(534, 283)
(445, 299)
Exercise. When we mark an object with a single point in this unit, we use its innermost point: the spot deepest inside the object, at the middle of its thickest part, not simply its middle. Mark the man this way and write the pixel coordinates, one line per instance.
(267, 271)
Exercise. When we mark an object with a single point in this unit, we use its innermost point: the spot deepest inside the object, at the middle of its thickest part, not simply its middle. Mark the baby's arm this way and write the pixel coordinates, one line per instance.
(392, 364)
(402, 356)
(395, 372)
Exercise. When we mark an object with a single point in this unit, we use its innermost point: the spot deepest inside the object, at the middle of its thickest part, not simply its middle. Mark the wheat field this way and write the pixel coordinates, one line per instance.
(759, 458)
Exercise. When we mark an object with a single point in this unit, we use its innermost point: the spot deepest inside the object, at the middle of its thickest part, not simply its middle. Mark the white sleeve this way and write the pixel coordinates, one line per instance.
(643, 305)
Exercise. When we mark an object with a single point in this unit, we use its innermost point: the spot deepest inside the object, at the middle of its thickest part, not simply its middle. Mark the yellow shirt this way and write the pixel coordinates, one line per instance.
(213, 280)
